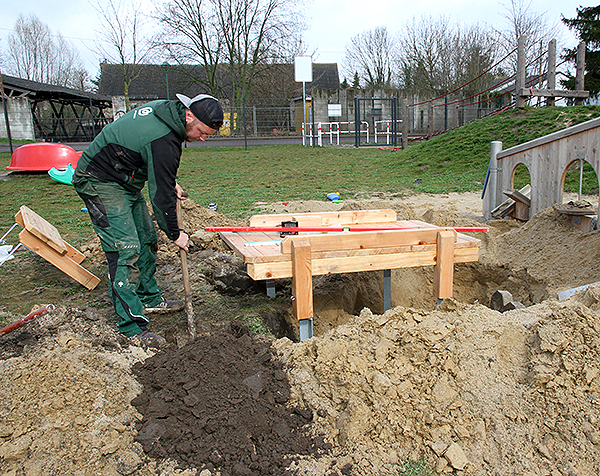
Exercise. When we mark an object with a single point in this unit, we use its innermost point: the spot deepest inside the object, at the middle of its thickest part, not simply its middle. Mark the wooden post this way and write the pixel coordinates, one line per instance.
(444, 267)
(430, 110)
(521, 73)
(404, 123)
(302, 285)
(550, 101)
(456, 116)
(580, 74)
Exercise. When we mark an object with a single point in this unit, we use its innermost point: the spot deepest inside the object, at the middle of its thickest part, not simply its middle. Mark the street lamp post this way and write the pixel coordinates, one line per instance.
(166, 66)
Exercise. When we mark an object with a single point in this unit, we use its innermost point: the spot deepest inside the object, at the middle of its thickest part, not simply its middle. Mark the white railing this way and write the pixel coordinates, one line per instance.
(333, 130)
(387, 132)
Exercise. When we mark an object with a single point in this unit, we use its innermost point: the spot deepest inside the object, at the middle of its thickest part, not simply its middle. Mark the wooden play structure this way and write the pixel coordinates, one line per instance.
(548, 159)
(269, 256)
(44, 239)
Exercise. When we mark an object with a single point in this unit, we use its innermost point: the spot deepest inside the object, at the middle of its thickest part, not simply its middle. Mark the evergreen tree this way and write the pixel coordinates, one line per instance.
(587, 26)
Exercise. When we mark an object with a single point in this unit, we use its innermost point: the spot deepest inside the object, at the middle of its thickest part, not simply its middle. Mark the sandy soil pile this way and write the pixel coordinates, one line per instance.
(466, 389)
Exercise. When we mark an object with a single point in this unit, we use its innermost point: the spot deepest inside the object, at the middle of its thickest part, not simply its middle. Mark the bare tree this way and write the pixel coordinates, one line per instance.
(36, 54)
(424, 48)
(242, 36)
(123, 40)
(189, 37)
(436, 57)
(370, 55)
(522, 20)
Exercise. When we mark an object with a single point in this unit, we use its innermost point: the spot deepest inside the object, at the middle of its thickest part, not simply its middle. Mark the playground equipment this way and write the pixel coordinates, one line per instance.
(547, 159)
(42, 156)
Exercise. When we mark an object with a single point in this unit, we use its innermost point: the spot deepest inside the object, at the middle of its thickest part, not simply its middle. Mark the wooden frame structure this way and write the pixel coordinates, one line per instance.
(303, 256)
(550, 93)
(548, 159)
(44, 239)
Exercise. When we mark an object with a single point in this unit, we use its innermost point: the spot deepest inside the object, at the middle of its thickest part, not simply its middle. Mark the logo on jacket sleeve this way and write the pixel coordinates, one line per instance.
(143, 111)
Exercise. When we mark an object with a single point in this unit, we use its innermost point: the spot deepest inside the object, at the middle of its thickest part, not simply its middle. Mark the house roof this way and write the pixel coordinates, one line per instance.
(151, 82)
(325, 76)
(15, 87)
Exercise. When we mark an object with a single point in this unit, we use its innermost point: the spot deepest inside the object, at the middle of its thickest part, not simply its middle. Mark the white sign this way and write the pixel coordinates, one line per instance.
(334, 110)
(303, 69)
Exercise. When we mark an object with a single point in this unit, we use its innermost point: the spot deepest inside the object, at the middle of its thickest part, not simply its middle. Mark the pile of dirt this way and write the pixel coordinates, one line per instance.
(221, 402)
(462, 388)
(550, 249)
(79, 398)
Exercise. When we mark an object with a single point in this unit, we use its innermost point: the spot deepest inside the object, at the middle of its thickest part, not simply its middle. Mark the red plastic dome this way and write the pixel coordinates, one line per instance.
(42, 156)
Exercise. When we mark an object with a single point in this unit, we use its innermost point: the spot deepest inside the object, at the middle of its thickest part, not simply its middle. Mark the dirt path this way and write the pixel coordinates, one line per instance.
(461, 389)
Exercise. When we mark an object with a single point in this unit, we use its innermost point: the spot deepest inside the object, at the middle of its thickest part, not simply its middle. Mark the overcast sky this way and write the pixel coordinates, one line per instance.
(331, 24)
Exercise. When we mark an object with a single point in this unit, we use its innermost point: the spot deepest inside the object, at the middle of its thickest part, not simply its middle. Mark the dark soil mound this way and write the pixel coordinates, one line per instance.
(220, 403)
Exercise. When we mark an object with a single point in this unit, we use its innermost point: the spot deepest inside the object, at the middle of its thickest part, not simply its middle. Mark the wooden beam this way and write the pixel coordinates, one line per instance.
(302, 280)
(352, 217)
(568, 132)
(444, 267)
(354, 264)
(39, 227)
(61, 261)
(517, 196)
(72, 252)
(363, 240)
(552, 93)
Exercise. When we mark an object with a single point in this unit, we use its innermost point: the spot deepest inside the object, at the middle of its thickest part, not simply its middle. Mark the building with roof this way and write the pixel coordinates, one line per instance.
(45, 112)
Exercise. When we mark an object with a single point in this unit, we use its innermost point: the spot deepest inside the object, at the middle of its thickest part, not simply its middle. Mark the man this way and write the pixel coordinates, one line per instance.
(142, 146)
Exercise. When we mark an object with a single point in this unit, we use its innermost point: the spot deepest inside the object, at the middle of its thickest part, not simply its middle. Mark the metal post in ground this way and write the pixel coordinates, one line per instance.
(404, 123)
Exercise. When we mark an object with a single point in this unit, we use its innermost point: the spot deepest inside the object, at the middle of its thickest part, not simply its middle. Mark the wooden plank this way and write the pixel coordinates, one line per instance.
(39, 227)
(271, 253)
(302, 280)
(554, 93)
(517, 196)
(283, 269)
(363, 240)
(443, 274)
(348, 217)
(61, 261)
(461, 243)
(508, 206)
(72, 252)
(237, 242)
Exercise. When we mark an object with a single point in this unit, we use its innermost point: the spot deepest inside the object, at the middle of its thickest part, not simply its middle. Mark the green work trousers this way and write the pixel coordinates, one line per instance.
(128, 237)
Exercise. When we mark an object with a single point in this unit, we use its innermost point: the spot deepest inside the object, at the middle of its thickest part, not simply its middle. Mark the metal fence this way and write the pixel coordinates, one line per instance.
(375, 128)
(258, 121)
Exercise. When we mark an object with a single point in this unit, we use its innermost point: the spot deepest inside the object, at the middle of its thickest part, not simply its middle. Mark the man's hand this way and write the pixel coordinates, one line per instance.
(182, 241)
(181, 194)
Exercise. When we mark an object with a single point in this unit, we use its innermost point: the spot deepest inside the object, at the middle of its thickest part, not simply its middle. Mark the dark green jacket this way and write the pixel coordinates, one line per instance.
(143, 145)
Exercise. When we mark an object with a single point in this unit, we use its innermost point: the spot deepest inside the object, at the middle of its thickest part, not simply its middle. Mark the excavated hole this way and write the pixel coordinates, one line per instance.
(339, 297)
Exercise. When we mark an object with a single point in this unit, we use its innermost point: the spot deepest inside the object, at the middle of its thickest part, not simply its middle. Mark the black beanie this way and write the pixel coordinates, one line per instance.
(206, 109)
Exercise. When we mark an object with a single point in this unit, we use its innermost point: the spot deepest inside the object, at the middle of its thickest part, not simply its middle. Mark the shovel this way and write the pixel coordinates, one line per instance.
(189, 310)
